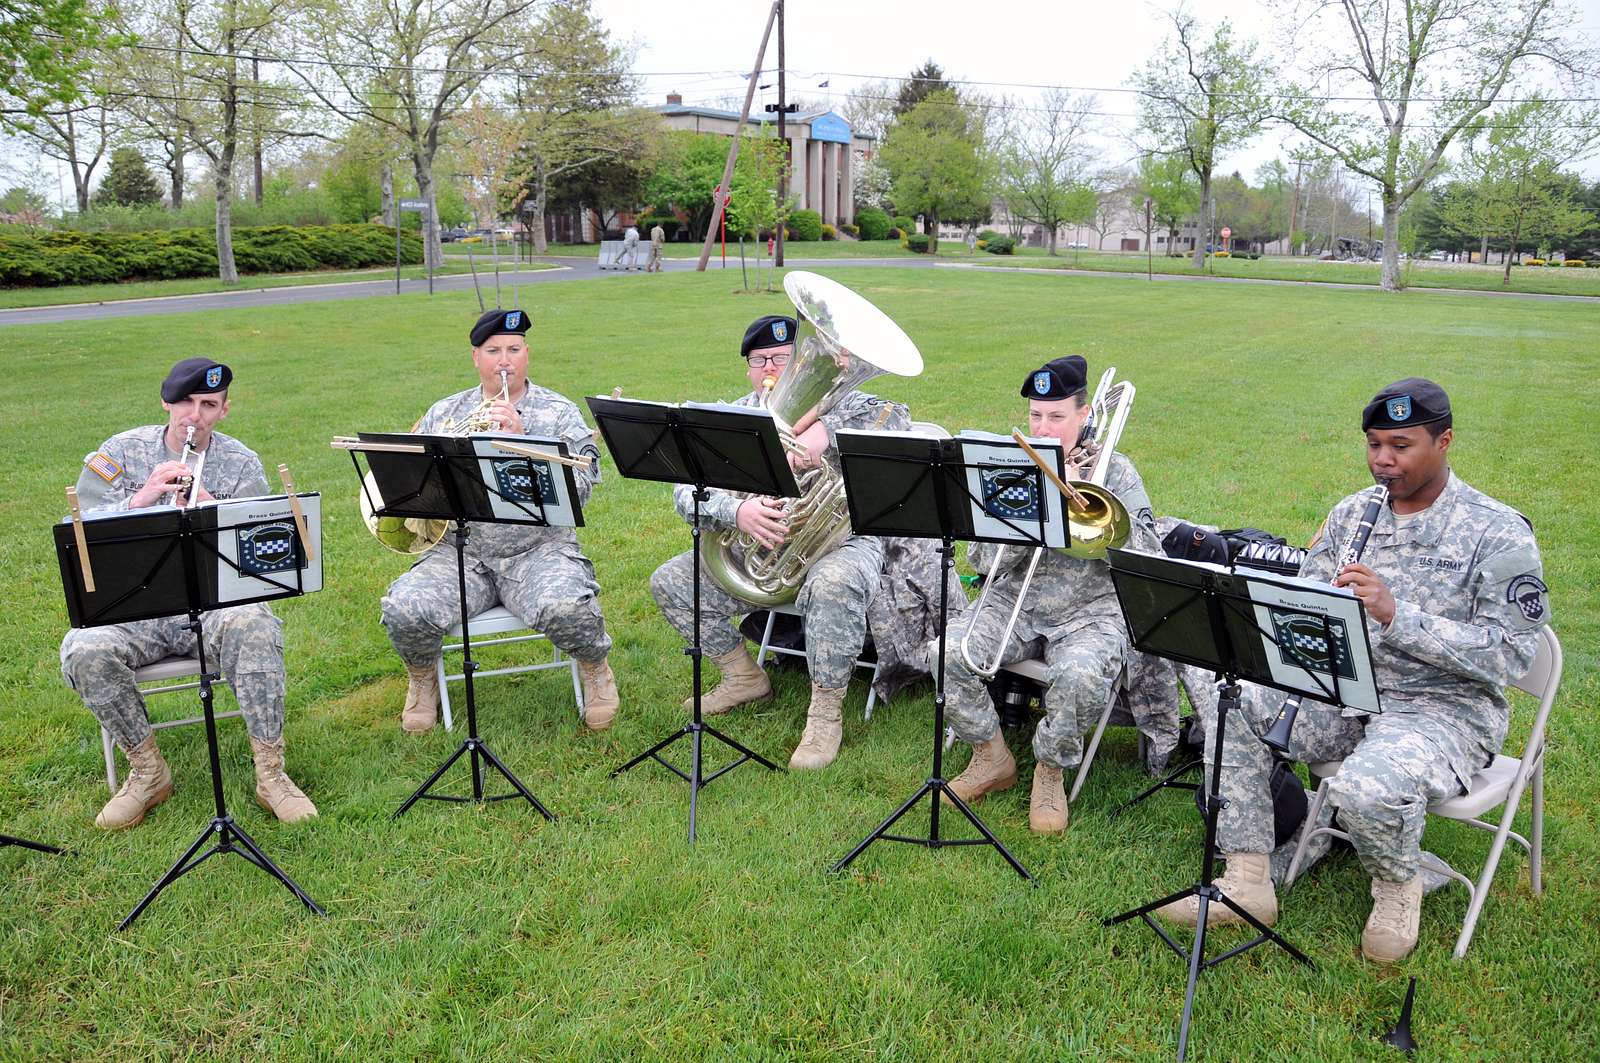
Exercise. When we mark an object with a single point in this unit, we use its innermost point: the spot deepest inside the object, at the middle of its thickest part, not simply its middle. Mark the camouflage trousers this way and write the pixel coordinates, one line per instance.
(1395, 765)
(243, 642)
(552, 588)
(834, 599)
(1083, 657)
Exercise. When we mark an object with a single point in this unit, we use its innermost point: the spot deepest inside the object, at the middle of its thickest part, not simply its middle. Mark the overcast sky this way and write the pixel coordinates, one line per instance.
(703, 48)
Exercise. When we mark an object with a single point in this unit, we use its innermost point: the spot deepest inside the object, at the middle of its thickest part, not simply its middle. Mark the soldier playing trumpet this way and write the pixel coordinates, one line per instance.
(540, 574)
(146, 467)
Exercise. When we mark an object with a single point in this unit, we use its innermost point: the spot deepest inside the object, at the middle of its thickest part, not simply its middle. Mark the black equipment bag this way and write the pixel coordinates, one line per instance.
(1289, 804)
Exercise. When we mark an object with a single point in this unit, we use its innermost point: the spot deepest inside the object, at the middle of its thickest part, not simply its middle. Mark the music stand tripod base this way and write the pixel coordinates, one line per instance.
(24, 843)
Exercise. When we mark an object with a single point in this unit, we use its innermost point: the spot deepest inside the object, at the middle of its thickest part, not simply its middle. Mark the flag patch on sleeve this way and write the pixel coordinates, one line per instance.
(104, 467)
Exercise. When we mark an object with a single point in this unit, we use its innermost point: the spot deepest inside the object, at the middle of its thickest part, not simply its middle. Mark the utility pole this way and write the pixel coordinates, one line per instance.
(255, 119)
(721, 200)
(1294, 203)
(783, 138)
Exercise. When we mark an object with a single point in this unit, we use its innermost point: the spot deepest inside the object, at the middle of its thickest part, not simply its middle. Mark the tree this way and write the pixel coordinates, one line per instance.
(1200, 99)
(128, 181)
(77, 135)
(1432, 68)
(1043, 159)
(937, 162)
(871, 183)
(1169, 183)
(686, 176)
(573, 109)
(921, 83)
(24, 206)
(1111, 200)
(870, 108)
(46, 48)
(411, 66)
(753, 203)
(1517, 189)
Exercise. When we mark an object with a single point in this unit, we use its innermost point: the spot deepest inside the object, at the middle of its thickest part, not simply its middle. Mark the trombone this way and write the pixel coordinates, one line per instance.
(1097, 521)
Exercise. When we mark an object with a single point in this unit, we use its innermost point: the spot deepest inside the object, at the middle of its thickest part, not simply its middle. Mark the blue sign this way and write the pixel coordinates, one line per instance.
(830, 127)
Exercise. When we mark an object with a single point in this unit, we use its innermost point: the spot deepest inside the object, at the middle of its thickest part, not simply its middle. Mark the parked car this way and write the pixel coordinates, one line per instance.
(450, 236)
(1077, 246)
(1436, 256)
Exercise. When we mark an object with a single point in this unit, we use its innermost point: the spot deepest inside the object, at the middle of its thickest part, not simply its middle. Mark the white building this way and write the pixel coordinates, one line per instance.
(823, 152)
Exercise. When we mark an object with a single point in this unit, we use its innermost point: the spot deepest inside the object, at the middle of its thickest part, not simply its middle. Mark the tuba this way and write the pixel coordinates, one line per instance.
(842, 341)
(1097, 521)
(416, 535)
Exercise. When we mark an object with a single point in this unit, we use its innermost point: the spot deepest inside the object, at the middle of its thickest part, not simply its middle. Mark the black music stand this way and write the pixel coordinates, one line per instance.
(905, 485)
(23, 843)
(163, 561)
(1231, 623)
(732, 449)
(481, 479)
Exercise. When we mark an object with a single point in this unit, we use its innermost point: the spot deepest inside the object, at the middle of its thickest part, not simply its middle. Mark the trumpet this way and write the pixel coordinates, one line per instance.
(479, 419)
(190, 481)
(1277, 736)
(1097, 520)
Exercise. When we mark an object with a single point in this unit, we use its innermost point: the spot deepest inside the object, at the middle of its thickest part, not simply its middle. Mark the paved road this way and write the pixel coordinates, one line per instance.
(570, 269)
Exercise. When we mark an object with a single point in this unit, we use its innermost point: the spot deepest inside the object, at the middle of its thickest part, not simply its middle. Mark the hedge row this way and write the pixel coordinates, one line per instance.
(71, 257)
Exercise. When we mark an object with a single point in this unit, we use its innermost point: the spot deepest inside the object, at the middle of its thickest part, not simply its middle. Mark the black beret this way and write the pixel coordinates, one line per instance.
(195, 376)
(1406, 404)
(770, 331)
(1058, 379)
(499, 323)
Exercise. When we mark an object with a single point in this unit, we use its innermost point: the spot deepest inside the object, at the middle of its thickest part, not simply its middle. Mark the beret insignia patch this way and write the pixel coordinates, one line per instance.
(780, 331)
(514, 319)
(1400, 408)
(1041, 382)
(213, 376)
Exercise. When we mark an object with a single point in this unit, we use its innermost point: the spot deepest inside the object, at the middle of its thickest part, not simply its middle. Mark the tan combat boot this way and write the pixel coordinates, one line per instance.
(819, 745)
(275, 791)
(422, 699)
(1247, 882)
(992, 768)
(742, 682)
(149, 783)
(1391, 931)
(600, 700)
(1047, 810)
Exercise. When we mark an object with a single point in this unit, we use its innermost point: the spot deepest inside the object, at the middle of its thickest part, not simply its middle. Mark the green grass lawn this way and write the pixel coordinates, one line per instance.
(1563, 281)
(486, 933)
(105, 293)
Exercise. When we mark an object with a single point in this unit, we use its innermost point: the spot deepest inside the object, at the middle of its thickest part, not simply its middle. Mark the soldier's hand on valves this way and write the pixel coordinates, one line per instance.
(163, 481)
(763, 520)
(1370, 588)
(815, 441)
(510, 420)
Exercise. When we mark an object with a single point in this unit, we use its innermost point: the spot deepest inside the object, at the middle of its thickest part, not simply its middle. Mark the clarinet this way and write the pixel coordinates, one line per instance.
(1277, 736)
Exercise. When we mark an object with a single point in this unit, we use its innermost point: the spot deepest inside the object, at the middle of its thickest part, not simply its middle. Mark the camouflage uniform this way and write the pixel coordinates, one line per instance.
(838, 589)
(243, 642)
(1071, 613)
(538, 573)
(1469, 599)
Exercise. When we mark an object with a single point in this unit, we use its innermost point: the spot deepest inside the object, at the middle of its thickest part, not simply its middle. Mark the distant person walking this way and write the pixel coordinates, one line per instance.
(630, 249)
(658, 236)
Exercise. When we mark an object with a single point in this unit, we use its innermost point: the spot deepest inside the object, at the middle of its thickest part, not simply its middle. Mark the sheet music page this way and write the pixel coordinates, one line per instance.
(515, 495)
(1012, 492)
(258, 536)
(1293, 609)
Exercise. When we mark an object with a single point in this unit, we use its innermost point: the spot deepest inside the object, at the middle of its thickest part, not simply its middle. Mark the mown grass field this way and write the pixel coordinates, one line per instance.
(1544, 280)
(106, 293)
(488, 934)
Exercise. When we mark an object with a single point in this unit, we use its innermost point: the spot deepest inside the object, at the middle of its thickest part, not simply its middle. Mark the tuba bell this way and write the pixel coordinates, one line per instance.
(842, 341)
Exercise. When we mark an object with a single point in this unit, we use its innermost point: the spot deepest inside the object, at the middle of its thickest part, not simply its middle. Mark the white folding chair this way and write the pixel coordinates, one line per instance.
(501, 621)
(767, 647)
(161, 671)
(1034, 668)
(1501, 784)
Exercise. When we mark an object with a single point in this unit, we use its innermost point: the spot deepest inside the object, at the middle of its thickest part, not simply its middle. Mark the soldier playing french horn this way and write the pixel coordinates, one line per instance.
(540, 574)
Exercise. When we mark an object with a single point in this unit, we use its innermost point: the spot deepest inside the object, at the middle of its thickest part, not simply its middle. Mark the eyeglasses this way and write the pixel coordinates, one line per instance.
(758, 361)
